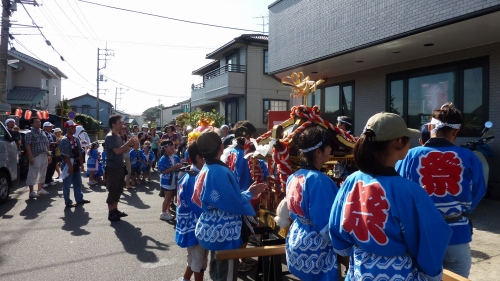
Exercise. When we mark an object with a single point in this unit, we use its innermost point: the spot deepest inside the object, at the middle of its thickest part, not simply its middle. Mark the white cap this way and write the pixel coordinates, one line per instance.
(57, 130)
(9, 120)
(48, 124)
(145, 126)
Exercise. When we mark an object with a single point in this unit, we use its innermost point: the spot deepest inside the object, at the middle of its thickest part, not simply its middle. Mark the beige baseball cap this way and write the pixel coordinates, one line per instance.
(389, 126)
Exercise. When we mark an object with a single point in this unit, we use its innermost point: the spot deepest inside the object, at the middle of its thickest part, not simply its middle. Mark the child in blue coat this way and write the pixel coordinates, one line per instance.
(218, 193)
(187, 217)
(150, 158)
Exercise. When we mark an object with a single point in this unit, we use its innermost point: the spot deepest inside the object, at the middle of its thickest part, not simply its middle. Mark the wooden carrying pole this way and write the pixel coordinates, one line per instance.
(250, 252)
(280, 250)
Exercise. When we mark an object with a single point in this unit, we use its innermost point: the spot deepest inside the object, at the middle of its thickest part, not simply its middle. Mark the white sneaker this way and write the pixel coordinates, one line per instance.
(45, 185)
(33, 194)
(92, 182)
(42, 192)
(52, 183)
(166, 217)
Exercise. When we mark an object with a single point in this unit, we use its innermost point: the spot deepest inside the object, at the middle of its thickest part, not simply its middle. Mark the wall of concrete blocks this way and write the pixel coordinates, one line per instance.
(302, 31)
(370, 91)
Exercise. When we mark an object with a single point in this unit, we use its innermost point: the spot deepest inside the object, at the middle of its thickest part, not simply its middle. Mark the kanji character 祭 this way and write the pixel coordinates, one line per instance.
(365, 212)
(441, 173)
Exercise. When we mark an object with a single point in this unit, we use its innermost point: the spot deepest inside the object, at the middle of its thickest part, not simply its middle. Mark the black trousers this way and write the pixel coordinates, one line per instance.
(51, 168)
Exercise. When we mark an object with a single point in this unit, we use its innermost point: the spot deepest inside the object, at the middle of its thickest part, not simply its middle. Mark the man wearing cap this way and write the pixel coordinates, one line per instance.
(115, 165)
(39, 154)
(71, 152)
(14, 136)
(144, 135)
(51, 168)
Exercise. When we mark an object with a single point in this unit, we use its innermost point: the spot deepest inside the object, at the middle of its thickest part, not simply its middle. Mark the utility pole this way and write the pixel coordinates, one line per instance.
(101, 52)
(119, 93)
(7, 8)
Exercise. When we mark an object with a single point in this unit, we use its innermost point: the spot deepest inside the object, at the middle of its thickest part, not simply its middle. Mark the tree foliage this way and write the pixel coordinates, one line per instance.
(88, 122)
(152, 113)
(62, 108)
(192, 118)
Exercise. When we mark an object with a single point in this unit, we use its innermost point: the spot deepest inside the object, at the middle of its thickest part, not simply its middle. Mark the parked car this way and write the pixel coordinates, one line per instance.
(8, 164)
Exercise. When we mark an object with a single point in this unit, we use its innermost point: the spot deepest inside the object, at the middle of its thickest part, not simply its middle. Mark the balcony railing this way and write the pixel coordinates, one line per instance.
(224, 69)
(219, 71)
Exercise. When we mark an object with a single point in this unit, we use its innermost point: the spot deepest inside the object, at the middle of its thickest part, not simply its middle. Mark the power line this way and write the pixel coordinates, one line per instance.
(83, 15)
(48, 43)
(81, 21)
(74, 24)
(54, 24)
(169, 18)
(140, 91)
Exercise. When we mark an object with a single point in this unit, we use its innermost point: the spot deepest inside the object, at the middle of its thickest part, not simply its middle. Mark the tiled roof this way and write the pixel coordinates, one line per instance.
(25, 95)
(243, 39)
(52, 70)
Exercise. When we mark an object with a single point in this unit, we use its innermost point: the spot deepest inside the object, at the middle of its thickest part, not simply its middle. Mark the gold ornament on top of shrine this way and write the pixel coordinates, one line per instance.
(301, 85)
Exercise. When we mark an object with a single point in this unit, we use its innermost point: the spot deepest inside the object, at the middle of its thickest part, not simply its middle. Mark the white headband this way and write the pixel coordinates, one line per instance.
(342, 121)
(312, 148)
(438, 125)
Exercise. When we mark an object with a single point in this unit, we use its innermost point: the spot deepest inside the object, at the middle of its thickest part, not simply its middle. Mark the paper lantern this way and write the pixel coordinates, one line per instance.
(19, 112)
(39, 114)
(45, 114)
(27, 115)
(7, 112)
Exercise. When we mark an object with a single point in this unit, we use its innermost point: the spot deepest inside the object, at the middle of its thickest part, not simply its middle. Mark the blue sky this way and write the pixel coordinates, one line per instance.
(154, 57)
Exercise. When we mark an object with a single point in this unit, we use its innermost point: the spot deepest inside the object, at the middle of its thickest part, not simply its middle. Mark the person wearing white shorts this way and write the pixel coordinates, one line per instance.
(38, 150)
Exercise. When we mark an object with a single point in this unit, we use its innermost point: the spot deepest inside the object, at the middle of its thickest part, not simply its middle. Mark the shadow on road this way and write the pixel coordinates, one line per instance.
(131, 198)
(6, 207)
(486, 216)
(135, 243)
(74, 219)
(36, 206)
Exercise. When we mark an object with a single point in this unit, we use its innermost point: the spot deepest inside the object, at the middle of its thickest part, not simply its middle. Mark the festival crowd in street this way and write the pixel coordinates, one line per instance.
(402, 214)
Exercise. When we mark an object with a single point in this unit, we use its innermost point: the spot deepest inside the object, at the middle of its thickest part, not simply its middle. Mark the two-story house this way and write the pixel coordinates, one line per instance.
(236, 82)
(86, 104)
(407, 57)
(169, 113)
(32, 83)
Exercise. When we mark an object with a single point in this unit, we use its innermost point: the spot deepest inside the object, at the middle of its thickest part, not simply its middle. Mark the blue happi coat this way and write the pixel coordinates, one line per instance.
(217, 192)
(239, 165)
(165, 163)
(137, 158)
(453, 178)
(389, 227)
(148, 159)
(309, 252)
(187, 212)
(93, 160)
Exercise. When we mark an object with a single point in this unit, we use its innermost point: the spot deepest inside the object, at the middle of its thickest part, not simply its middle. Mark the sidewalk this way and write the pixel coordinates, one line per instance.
(485, 244)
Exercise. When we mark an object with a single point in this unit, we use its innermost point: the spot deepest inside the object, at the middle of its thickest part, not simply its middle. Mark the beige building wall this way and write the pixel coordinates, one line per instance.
(370, 90)
(260, 86)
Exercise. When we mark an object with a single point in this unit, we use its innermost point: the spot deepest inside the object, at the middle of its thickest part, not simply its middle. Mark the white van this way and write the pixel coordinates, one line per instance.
(8, 164)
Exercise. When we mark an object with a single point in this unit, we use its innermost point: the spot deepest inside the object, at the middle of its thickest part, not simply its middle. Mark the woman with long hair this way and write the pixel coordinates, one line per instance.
(309, 196)
(453, 178)
(387, 224)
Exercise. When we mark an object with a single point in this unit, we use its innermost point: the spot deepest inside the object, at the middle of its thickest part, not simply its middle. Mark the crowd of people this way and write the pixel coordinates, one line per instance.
(403, 214)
